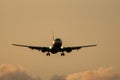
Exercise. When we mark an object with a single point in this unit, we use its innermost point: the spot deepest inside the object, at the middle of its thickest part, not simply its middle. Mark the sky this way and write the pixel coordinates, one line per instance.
(76, 22)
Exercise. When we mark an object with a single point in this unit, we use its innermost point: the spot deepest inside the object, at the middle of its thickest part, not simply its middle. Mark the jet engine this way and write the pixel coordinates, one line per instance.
(68, 50)
(43, 49)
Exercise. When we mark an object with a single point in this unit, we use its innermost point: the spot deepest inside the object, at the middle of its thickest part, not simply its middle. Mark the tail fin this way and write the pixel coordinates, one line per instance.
(53, 41)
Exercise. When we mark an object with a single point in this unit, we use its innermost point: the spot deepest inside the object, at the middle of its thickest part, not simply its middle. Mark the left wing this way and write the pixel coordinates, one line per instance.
(32, 47)
(69, 49)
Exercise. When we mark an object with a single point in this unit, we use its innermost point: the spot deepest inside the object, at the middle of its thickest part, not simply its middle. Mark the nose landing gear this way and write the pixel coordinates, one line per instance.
(62, 54)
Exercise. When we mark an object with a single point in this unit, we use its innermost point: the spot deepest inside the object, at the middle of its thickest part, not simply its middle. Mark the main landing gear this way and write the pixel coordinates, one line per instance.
(62, 54)
(48, 54)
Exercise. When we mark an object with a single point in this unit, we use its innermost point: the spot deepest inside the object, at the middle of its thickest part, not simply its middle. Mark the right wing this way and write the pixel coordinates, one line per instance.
(79, 47)
(69, 49)
(33, 47)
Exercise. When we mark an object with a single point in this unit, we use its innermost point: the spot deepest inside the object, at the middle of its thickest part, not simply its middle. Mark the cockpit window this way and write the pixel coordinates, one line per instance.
(57, 39)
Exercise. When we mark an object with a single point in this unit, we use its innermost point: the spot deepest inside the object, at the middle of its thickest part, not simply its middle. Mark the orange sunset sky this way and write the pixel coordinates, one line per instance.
(76, 22)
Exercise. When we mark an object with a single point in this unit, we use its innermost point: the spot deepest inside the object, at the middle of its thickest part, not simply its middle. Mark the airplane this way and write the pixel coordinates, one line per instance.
(55, 48)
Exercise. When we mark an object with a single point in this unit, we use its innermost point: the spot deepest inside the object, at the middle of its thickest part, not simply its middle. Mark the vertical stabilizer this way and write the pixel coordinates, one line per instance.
(53, 41)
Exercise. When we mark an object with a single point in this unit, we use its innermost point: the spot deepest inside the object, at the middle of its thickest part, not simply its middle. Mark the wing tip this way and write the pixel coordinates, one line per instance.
(19, 45)
(14, 44)
(95, 44)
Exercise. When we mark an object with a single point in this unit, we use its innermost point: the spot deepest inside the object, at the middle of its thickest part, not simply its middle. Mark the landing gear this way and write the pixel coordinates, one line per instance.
(62, 54)
(48, 54)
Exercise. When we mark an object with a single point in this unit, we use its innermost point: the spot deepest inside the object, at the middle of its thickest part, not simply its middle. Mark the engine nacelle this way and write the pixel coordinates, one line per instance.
(43, 49)
(68, 50)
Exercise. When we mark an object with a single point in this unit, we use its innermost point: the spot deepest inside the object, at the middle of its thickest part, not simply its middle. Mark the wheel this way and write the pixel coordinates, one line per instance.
(48, 54)
(62, 54)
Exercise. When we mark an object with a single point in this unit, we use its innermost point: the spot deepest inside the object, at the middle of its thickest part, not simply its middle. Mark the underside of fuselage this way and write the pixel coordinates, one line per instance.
(55, 50)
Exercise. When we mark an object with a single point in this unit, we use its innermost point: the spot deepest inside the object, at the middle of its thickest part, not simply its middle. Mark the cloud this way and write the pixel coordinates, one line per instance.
(11, 72)
(58, 77)
(99, 74)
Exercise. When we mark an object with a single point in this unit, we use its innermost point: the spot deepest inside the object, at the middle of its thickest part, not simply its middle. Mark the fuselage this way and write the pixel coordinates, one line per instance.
(57, 42)
(56, 46)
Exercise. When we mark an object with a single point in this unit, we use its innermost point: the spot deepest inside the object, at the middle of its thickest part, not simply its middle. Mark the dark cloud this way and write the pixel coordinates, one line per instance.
(11, 72)
(58, 77)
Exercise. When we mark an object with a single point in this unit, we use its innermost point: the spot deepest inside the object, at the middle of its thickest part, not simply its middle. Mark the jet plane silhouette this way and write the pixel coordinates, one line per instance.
(55, 48)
